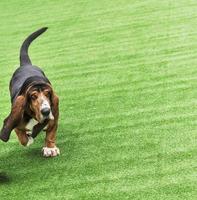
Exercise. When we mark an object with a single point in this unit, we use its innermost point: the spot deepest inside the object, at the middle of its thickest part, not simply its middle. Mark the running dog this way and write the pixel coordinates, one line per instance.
(34, 103)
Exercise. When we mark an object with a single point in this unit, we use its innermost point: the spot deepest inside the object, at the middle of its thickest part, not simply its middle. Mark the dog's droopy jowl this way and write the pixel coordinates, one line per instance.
(34, 103)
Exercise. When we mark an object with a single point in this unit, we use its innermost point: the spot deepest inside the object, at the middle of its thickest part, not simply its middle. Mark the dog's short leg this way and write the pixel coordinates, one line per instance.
(50, 149)
(6, 129)
(23, 137)
(13, 119)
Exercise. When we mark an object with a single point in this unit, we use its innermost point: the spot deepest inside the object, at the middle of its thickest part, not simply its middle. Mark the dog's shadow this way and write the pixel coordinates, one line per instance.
(16, 165)
(12, 164)
(4, 178)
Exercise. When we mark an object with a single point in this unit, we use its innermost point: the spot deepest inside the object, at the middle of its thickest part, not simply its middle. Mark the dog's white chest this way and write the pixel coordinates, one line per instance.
(31, 124)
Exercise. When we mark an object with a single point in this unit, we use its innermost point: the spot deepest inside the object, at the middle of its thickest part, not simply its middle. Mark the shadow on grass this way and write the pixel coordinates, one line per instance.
(17, 165)
(4, 178)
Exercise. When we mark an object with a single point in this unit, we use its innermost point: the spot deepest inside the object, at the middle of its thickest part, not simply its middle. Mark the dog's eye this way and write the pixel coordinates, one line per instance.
(47, 93)
(33, 97)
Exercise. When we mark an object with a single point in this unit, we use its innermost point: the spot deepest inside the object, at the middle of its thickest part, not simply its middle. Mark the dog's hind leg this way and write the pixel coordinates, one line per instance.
(22, 137)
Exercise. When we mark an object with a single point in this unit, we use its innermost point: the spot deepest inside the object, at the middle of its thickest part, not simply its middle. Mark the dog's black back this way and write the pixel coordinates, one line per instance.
(26, 72)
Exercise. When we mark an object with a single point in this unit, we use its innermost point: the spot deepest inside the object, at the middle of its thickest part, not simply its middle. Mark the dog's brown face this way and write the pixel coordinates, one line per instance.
(39, 102)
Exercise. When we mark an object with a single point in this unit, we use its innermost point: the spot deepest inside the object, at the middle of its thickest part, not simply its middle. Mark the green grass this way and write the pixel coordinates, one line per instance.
(125, 72)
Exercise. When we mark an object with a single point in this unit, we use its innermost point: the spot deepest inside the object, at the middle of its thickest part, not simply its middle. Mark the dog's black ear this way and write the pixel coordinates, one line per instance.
(13, 118)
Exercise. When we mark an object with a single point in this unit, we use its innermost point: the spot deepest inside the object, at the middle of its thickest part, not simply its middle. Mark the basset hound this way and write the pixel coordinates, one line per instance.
(34, 103)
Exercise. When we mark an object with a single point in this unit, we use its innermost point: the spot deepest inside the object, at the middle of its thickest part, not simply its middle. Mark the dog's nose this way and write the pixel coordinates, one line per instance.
(45, 111)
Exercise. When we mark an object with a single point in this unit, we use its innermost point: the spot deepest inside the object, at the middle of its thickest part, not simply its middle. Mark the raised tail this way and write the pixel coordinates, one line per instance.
(24, 57)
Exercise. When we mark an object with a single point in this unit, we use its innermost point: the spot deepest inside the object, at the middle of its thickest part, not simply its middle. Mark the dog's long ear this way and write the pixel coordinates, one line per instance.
(13, 118)
(55, 105)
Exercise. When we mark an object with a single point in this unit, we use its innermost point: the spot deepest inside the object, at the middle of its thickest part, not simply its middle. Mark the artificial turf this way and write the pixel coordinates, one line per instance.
(125, 72)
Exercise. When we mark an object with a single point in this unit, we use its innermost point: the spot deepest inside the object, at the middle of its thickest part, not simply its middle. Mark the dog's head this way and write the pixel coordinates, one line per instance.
(39, 102)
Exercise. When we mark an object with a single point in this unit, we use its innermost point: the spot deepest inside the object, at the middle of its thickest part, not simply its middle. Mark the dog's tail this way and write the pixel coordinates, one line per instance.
(24, 57)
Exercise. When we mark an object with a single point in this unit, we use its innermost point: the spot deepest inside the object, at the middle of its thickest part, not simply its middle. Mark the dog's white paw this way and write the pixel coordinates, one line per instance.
(30, 141)
(50, 152)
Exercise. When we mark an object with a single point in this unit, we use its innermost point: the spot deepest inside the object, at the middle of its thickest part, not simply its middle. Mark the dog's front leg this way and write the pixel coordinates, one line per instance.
(50, 149)
(6, 129)
(13, 119)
